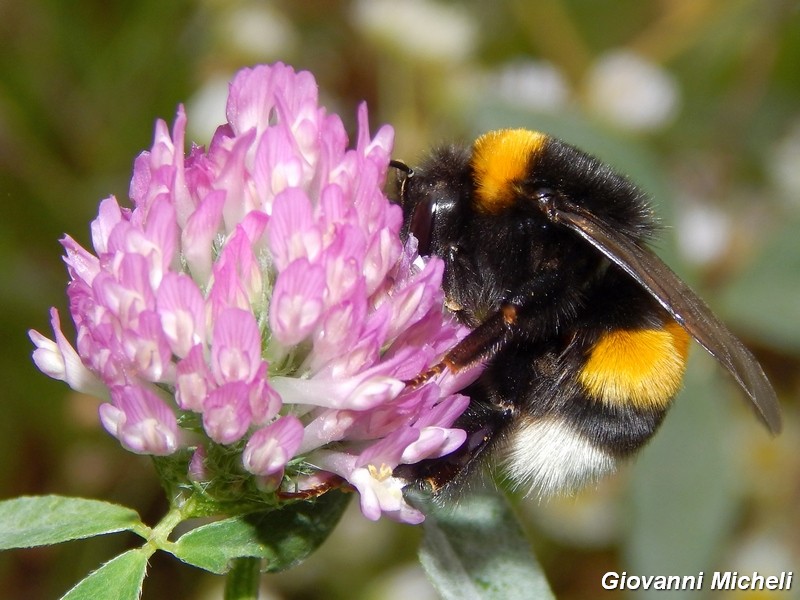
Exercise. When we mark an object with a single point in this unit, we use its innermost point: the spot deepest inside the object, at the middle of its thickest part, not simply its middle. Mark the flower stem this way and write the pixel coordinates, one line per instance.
(158, 537)
(243, 579)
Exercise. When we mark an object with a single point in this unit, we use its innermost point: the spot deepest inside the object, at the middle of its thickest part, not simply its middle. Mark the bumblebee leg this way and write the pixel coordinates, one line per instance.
(541, 304)
(485, 422)
(335, 483)
(482, 342)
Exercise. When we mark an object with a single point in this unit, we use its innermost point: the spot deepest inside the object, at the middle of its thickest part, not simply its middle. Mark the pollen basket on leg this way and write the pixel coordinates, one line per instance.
(642, 367)
(499, 159)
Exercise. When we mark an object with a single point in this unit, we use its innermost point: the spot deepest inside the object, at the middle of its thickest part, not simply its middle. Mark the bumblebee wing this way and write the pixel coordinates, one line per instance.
(678, 300)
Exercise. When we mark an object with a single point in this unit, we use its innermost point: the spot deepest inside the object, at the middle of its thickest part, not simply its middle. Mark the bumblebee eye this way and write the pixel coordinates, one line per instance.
(421, 224)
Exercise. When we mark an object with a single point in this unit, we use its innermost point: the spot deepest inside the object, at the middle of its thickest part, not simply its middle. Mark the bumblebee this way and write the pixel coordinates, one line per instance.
(583, 330)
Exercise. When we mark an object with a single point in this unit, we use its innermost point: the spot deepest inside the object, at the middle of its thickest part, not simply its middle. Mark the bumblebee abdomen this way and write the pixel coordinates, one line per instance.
(590, 404)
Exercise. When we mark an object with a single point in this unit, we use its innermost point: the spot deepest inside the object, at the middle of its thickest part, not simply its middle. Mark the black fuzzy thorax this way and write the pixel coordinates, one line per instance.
(593, 185)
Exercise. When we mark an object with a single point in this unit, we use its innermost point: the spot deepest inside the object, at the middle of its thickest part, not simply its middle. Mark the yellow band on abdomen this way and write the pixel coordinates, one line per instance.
(640, 367)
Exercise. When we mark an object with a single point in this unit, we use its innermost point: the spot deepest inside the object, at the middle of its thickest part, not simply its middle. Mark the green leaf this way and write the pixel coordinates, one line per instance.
(477, 550)
(244, 579)
(684, 489)
(283, 538)
(121, 579)
(763, 300)
(39, 520)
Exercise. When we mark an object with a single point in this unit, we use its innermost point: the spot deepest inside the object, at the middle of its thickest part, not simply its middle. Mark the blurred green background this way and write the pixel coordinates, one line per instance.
(697, 100)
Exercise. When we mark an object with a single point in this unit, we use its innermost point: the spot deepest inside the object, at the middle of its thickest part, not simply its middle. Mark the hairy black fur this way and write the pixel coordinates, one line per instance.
(561, 290)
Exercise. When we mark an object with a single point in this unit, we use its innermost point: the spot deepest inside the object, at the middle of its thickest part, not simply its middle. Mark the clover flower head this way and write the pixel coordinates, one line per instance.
(257, 298)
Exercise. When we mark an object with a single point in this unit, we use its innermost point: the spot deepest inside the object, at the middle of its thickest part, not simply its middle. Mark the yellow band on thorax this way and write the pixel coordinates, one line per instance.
(501, 159)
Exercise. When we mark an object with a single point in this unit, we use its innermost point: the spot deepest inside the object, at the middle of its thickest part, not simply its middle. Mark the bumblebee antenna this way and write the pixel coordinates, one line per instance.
(407, 171)
(401, 166)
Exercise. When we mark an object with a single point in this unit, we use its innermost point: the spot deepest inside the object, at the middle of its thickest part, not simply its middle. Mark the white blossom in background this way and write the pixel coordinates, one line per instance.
(535, 85)
(703, 232)
(631, 92)
(421, 29)
(784, 165)
(207, 107)
(258, 31)
(765, 554)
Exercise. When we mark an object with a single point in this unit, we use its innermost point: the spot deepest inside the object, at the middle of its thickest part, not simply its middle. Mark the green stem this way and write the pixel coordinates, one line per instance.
(243, 579)
(158, 537)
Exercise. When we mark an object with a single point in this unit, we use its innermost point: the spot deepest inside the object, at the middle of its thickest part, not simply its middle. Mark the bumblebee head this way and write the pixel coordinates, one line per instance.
(434, 198)
(484, 181)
